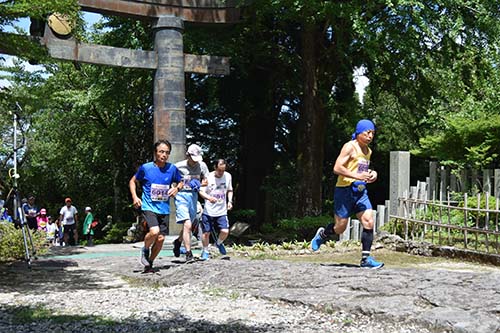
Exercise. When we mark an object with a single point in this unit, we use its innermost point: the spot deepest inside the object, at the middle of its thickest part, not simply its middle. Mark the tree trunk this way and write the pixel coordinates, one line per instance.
(258, 130)
(311, 130)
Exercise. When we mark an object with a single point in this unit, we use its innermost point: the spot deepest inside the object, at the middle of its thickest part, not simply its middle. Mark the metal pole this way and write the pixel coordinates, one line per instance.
(14, 177)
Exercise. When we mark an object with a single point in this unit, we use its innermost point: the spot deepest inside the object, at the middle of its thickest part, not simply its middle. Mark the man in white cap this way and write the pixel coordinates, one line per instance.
(193, 171)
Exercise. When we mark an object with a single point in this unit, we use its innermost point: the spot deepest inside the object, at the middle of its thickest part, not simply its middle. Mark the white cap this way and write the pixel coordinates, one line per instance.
(195, 152)
(87, 209)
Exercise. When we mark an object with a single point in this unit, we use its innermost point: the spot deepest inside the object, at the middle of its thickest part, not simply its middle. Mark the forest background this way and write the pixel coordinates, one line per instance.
(282, 115)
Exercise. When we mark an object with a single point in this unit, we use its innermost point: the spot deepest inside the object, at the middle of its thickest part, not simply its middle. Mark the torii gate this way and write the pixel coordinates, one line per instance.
(167, 58)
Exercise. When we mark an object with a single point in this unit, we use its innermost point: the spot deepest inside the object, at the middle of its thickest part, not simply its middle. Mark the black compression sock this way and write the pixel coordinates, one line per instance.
(366, 242)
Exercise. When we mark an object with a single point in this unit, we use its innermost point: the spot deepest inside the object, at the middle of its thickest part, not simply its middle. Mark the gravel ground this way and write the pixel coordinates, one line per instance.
(86, 300)
(185, 308)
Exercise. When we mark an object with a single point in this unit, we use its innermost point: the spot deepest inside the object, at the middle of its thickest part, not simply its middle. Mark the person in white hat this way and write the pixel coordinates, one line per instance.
(194, 171)
(88, 232)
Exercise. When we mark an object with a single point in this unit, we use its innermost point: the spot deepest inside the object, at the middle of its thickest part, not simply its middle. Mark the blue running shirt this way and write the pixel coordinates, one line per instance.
(155, 183)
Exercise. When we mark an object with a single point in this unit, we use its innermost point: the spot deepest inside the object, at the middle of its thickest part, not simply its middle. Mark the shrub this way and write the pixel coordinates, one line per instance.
(12, 243)
(302, 228)
(116, 233)
(242, 215)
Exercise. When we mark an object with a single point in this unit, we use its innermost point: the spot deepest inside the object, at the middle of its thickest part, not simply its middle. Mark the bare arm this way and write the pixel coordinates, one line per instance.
(132, 185)
(346, 154)
(229, 200)
(205, 195)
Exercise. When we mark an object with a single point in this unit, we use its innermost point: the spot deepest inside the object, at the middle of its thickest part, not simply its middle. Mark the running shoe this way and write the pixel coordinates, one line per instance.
(177, 248)
(371, 263)
(221, 248)
(189, 257)
(205, 255)
(317, 241)
(145, 256)
(148, 269)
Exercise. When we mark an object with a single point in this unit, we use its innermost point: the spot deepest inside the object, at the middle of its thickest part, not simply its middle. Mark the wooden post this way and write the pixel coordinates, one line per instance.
(464, 181)
(443, 184)
(431, 194)
(453, 182)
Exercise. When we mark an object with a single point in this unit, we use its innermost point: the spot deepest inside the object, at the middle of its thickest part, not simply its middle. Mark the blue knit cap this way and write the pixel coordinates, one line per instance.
(363, 125)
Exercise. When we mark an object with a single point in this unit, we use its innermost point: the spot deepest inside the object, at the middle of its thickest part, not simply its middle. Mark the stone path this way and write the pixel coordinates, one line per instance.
(240, 295)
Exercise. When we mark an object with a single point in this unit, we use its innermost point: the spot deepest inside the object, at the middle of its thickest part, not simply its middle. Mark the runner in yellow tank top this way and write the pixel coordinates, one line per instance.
(351, 196)
(358, 163)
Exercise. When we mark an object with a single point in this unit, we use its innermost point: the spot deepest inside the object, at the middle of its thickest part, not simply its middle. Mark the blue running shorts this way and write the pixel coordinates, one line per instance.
(185, 206)
(207, 222)
(347, 202)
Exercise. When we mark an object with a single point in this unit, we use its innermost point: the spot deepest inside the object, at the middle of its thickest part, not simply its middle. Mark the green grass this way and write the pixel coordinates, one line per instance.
(349, 252)
(27, 315)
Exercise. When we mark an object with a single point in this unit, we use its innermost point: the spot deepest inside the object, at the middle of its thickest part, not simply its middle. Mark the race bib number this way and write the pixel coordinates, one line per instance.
(219, 195)
(363, 165)
(159, 192)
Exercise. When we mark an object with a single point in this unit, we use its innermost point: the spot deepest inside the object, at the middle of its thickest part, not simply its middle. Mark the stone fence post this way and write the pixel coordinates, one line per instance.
(399, 171)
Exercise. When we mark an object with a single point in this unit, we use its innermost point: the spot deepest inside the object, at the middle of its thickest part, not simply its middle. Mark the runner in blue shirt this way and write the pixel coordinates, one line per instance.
(159, 180)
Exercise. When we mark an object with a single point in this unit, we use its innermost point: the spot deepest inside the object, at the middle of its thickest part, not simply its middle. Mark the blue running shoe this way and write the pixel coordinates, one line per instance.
(182, 250)
(317, 241)
(221, 248)
(371, 263)
(205, 255)
(145, 256)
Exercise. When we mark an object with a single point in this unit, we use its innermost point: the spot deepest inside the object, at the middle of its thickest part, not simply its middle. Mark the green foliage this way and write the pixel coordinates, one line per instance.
(467, 140)
(474, 217)
(301, 228)
(242, 215)
(11, 10)
(281, 191)
(12, 243)
(116, 233)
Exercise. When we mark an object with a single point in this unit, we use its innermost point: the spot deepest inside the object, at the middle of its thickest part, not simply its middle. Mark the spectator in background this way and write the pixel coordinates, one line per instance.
(4, 213)
(88, 232)
(69, 220)
(31, 212)
(51, 230)
(42, 219)
(59, 232)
